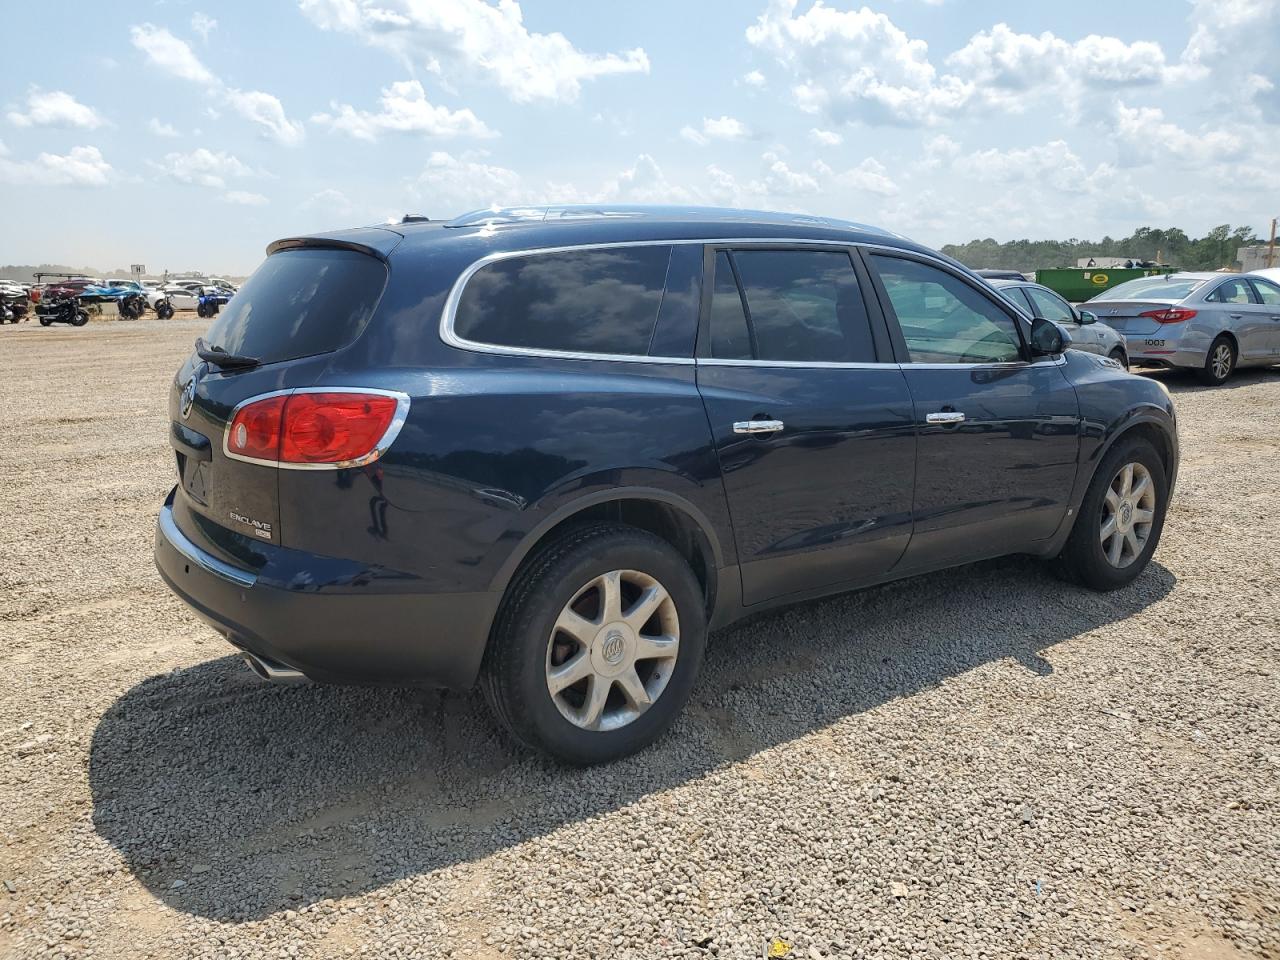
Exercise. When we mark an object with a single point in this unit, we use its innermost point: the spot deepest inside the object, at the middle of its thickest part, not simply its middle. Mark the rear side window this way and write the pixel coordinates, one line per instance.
(300, 303)
(730, 339)
(584, 301)
(802, 306)
(1233, 291)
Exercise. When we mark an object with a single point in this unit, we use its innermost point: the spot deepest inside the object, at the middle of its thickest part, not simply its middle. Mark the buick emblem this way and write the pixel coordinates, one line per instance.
(188, 397)
(613, 648)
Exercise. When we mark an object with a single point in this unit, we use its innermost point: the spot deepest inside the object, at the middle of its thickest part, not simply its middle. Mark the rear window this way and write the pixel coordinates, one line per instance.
(584, 301)
(300, 303)
(1152, 288)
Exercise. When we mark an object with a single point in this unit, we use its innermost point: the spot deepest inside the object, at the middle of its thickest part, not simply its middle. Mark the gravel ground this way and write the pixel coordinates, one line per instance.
(978, 763)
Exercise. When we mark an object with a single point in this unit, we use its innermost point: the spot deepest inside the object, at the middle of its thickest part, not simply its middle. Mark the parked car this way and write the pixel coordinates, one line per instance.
(988, 273)
(1083, 326)
(1211, 323)
(550, 449)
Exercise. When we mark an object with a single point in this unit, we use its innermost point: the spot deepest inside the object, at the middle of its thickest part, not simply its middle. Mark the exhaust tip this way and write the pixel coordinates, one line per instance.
(272, 670)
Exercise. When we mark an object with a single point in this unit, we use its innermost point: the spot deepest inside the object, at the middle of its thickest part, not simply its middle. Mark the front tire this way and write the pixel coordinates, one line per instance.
(1219, 363)
(596, 645)
(80, 318)
(1119, 357)
(1120, 519)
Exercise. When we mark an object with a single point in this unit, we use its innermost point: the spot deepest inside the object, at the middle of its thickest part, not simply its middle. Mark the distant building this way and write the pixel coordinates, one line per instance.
(1255, 257)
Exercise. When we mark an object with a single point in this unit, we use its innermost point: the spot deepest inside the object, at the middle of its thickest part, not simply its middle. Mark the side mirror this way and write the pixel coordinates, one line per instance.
(1087, 317)
(1047, 338)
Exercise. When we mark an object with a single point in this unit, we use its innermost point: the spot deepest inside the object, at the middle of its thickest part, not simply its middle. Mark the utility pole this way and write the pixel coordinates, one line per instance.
(1271, 247)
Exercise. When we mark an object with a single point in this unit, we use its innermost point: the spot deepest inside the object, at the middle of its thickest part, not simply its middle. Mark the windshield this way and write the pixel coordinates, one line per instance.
(1152, 288)
(300, 303)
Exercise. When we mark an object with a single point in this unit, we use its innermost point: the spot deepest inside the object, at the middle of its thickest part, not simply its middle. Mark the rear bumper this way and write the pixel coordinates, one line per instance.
(334, 621)
(1161, 349)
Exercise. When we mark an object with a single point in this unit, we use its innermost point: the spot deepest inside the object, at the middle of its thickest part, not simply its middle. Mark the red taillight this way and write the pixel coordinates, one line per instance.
(1169, 314)
(330, 428)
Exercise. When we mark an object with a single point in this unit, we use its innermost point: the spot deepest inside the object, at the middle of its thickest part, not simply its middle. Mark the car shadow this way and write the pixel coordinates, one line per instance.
(1184, 381)
(219, 789)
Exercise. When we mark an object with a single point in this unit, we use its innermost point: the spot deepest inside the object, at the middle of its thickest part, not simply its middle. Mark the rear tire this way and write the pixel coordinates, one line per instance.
(642, 680)
(45, 321)
(1091, 557)
(1219, 363)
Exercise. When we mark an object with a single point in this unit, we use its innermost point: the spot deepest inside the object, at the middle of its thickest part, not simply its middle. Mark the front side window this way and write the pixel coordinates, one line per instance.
(602, 301)
(802, 306)
(1050, 307)
(943, 319)
(1268, 292)
(1233, 291)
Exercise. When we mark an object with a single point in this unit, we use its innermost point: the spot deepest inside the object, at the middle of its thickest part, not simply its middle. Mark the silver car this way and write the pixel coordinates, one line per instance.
(1083, 326)
(1207, 322)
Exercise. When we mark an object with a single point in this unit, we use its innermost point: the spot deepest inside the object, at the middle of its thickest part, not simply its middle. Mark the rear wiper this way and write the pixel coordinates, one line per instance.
(220, 357)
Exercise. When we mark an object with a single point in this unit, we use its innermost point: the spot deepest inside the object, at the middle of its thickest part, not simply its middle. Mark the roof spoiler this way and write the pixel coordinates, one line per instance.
(374, 241)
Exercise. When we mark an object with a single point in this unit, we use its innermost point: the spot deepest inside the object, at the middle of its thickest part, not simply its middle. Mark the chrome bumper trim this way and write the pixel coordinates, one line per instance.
(211, 564)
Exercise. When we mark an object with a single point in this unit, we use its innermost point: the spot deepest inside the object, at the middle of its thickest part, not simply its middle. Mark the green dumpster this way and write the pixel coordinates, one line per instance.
(1078, 284)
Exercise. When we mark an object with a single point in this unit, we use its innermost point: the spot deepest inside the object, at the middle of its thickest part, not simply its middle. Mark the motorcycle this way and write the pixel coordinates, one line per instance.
(13, 307)
(210, 302)
(66, 309)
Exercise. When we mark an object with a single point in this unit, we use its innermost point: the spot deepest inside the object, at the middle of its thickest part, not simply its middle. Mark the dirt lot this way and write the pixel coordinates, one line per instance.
(981, 763)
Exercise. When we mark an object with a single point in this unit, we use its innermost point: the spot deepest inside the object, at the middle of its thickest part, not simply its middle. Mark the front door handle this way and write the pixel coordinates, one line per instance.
(949, 416)
(1235, 316)
(757, 426)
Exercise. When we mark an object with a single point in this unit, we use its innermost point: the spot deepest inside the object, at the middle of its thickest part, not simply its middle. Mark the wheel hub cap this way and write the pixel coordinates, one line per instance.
(1128, 512)
(612, 650)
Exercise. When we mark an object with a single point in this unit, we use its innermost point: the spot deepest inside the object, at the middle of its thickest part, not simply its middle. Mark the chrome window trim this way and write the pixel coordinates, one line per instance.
(384, 442)
(448, 315)
(207, 562)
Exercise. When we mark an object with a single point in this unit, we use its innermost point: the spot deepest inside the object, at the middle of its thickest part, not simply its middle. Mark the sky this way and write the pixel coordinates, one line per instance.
(188, 135)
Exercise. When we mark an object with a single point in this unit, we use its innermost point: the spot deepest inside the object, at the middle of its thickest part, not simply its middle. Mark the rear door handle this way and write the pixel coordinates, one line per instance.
(950, 416)
(757, 426)
(1235, 316)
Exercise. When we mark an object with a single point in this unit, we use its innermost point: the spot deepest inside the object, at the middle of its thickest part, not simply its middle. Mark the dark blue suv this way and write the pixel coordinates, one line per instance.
(549, 448)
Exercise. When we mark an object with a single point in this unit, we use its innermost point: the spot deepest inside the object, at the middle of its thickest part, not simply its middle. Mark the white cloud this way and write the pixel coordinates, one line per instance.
(473, 35)
(329, 201)
(162, 129)
(170, 54)
(466, 182)
(1007, 67)
(754, 79)
(782, 181)
(203, 167)
(55, 108)
(856, 65)
(870, 175)
(828, 138)
(405, 109)
(722, 128)
(175, 56)
(1052, 164)
(1235, 43)
(82, 166)
(1145, 136)
(244, 198)
(203, 25)
(266, 110)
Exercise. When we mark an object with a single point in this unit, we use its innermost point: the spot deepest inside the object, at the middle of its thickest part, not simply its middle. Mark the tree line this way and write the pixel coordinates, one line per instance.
(1215, 249)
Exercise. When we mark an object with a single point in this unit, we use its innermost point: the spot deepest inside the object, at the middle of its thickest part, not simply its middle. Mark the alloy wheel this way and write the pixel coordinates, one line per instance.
(612, 650)
(1220, 362)
(1128, 511)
